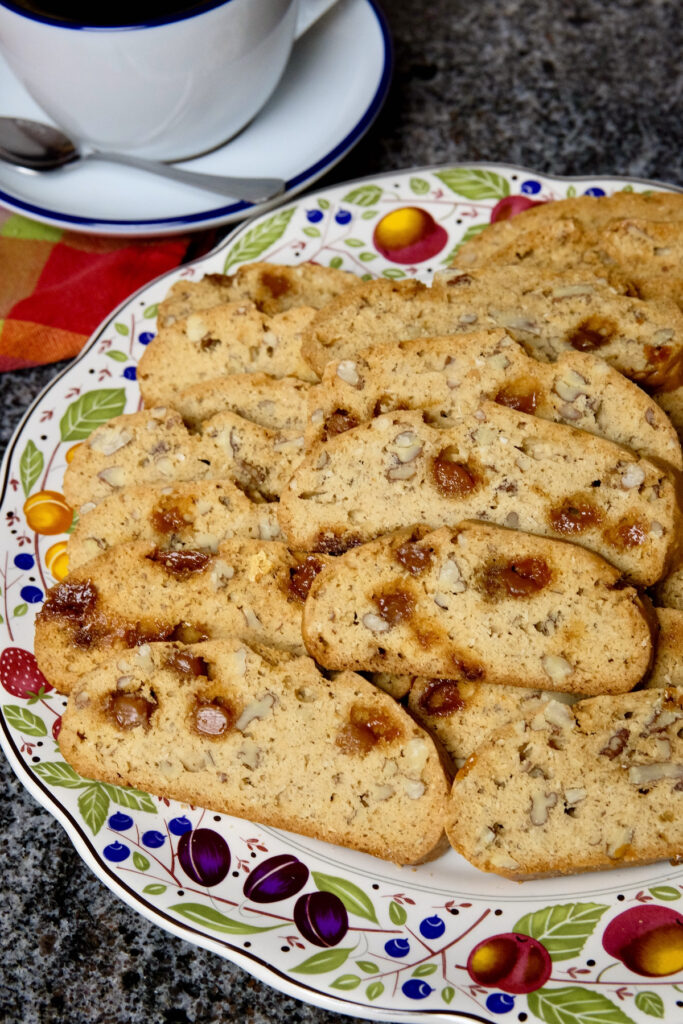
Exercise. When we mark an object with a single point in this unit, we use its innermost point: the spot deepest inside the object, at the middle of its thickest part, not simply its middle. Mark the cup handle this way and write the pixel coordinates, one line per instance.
(309, 12)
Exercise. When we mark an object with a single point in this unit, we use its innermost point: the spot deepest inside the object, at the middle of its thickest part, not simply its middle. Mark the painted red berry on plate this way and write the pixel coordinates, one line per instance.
(647, 939)
(512, 962)
(510, 206)
(19, 673)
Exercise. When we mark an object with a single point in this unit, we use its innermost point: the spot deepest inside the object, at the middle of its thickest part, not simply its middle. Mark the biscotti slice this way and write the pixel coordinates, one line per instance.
(449, 376)
(232, 338)
(265, 738)
(671, 402)
(272, 287)
(669, 591)
(582, 788)
(548, 314)
(638, 255)
(197, 514)
(461, 714)
(649, 253)
(483, 603)
(155, 447)
(278, 403)
(542, 250)
(590, 214)
(260, 460)
(667, 669)
(495, 464)
(135, 593)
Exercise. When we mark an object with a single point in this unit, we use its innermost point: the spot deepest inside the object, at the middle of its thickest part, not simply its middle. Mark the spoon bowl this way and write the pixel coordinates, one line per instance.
(41, 148)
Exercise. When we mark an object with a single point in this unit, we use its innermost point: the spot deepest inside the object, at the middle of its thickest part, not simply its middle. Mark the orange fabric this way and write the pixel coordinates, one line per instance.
(57, 286)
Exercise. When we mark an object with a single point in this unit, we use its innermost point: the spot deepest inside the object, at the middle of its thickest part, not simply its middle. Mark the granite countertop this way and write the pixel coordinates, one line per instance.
(562, 86)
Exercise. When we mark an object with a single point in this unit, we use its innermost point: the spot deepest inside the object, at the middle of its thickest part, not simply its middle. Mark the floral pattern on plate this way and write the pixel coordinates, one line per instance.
(333, 927)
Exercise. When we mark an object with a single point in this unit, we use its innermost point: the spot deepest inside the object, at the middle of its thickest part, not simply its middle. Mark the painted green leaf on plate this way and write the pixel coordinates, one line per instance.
(374, 990)
(320, 963)
(353, 898)
(89, 411)
(57, 773)
(24, 721)
(575, 1005)
(397, 913)
(424, 970)
(20, 610)
(155, 889)
(151, 311)
(117, 355)
(336, 262)
(93, 803)
(122, 329)
(365, 195)
(474, 182)
(346, 982)
(665, 892)
(393, 273)
(311, 232)
(133, 798)
(564, 928)
(368, 966)
(419, 186)
(141, 863)
(650, 1003)
(30, 466)
(447, 994)
(209, 917)
(255, 242)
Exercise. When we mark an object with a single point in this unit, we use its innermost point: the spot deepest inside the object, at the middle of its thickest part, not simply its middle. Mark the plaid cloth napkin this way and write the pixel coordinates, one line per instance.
(56, 286)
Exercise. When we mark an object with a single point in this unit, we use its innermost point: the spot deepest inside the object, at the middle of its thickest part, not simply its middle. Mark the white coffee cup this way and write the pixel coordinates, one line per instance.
(167, 89)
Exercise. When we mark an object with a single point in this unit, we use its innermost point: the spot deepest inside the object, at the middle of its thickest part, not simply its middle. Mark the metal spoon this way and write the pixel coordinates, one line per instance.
(40, 147)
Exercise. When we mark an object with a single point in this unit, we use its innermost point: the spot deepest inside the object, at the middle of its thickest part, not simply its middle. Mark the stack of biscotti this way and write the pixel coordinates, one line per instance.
(295, 420)
(633, 240)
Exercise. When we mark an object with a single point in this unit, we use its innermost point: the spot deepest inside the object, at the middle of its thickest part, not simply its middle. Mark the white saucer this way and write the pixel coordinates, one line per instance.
(334, 86)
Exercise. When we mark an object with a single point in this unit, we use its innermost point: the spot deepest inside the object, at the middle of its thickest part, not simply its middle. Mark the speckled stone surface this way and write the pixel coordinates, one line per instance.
(561, 86)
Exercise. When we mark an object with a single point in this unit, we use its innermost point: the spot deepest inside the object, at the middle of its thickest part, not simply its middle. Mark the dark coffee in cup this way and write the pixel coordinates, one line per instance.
(107, 13)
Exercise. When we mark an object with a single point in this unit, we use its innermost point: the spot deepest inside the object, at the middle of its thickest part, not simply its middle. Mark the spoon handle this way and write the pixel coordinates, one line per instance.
(250, 190)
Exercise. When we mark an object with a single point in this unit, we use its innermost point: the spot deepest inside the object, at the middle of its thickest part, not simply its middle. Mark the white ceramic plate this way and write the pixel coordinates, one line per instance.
(402, 936)
(332, 90)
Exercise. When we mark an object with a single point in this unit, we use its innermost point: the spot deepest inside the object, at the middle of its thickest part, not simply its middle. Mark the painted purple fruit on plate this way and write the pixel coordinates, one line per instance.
(204, 856)
(409, 235)
(512, 962)
(647, 939)
(276, 878)
(321, 918)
